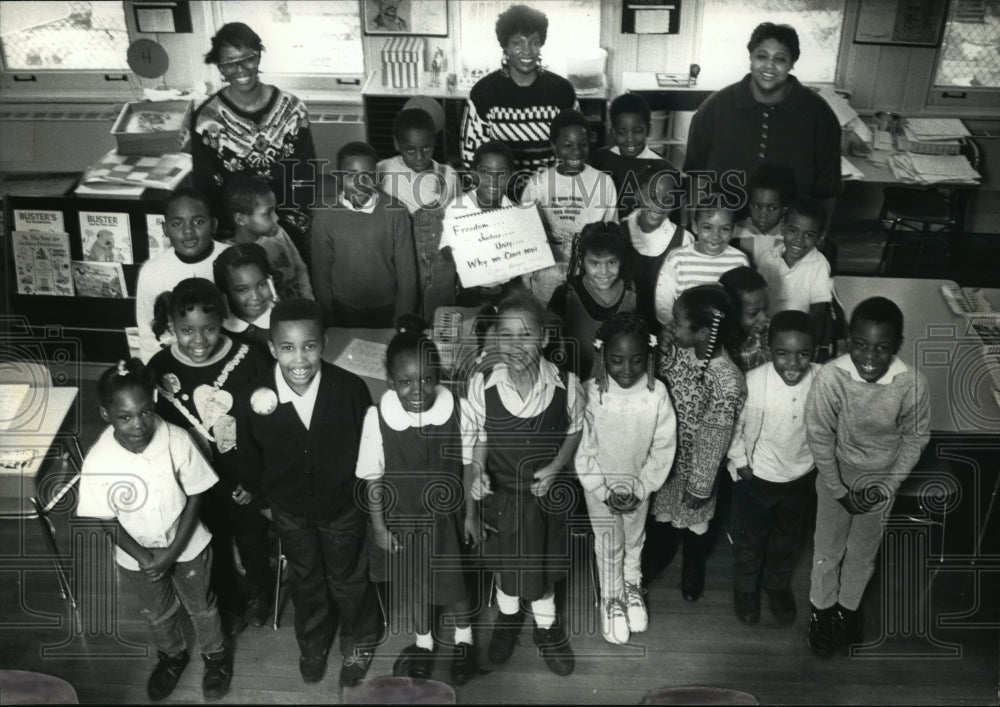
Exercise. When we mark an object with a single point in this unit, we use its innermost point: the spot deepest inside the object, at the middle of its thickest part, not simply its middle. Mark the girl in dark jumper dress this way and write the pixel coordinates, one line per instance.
(244, 277)
(411, 460)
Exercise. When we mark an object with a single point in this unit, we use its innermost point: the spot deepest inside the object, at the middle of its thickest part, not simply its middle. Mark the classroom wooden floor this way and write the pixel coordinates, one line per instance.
(918, 662)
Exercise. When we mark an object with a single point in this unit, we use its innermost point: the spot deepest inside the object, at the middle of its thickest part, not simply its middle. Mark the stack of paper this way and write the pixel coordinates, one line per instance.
(936, 128)
(933, 169)
(848, 170)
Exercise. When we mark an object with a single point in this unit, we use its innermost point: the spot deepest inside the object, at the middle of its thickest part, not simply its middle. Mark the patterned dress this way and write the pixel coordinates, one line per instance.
(228, 140)
(706, 415)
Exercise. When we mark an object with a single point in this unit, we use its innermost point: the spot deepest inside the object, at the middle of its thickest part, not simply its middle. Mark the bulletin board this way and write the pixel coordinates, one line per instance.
(97, 321)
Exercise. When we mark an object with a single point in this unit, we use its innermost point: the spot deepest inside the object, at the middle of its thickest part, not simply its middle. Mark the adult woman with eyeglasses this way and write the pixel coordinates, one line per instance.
(251, 127)
(516, 103)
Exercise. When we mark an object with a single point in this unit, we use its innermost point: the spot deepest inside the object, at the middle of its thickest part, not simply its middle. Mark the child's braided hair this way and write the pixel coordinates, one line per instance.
(709, 306)
(622, 324)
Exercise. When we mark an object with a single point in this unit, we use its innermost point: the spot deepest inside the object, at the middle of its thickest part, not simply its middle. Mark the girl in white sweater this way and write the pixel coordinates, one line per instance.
(629, 438)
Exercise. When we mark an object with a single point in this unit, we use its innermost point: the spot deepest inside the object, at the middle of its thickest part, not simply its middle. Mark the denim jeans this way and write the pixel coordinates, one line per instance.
(185, 583)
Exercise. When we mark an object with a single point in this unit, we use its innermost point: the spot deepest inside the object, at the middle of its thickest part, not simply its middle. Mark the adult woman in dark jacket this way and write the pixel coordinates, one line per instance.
(769, 116)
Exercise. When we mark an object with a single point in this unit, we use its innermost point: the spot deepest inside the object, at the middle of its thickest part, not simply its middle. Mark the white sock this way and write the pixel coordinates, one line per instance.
(463, 635)
(544, 610)
(425, 641)
(508, 605)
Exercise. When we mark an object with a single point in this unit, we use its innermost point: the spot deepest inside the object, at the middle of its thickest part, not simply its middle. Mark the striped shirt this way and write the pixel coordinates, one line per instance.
(499, 109)
(685, 268)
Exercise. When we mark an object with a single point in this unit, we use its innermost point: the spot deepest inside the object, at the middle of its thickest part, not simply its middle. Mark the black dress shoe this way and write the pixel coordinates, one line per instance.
(465, 666)
(747, 606)
(414, 662)
(823, 631)
(355, 666)
(218, 675)
(849, 626)
(312, 667)
(166, 674)
(554, 647)
(504, 638)
(782, 603)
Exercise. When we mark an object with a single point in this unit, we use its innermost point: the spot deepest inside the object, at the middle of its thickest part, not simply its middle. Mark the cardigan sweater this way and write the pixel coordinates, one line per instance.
(732, 131)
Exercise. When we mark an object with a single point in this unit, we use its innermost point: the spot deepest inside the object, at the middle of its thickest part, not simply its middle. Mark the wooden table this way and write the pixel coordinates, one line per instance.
(941, 345)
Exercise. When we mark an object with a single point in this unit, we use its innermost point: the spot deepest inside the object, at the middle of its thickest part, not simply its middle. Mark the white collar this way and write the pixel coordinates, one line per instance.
(227, 345)
(399, 419)
(778, 252)
(367, 207)
(895, 368)
(646, 154)
(285, 392)
(235, 324)
(158, 443)
(548, 374)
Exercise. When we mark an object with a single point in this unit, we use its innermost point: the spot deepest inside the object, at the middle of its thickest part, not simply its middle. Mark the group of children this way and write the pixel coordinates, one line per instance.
(448, 484)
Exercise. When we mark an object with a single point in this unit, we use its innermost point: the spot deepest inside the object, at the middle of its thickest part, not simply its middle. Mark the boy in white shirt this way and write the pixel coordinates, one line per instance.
(771, 189)
(798, 275)
(570, 195)
(770, 461)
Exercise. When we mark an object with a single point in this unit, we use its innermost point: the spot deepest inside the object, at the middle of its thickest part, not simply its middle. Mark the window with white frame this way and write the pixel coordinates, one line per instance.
(78, 44)
(573, 25)
(726, 26)
(304, 39)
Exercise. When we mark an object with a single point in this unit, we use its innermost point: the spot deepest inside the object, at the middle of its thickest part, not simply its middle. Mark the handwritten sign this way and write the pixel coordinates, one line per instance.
(498, 245)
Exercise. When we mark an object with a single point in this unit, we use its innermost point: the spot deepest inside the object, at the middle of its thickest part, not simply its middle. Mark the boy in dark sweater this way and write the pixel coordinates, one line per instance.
(298, 434)
(867, 421)
(364, 268)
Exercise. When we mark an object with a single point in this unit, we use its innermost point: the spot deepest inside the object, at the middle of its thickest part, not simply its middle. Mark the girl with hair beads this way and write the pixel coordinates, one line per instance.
(629, 438)
(145, 478)
(520, 427)
(197, 376)
(597, 289)
(411, 460)
(243, 274)
(707, 390)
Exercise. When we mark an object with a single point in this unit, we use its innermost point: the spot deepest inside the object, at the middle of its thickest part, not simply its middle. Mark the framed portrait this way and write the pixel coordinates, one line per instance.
(428, 18)
(917, 23)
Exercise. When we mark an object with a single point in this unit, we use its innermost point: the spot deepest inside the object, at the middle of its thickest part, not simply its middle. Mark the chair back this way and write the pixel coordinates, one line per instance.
(387, 689)
(698, 695)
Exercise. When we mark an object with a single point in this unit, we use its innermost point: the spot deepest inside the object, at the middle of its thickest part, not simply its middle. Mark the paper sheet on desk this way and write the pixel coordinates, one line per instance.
(841, 108)
(848, 170)
(363, 358)
(11, 398)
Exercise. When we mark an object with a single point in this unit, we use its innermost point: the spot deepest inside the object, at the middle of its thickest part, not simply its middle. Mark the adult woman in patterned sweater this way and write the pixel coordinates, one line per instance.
(252, 127)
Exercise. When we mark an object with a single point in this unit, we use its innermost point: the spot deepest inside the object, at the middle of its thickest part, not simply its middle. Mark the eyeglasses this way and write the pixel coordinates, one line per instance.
(228, 68)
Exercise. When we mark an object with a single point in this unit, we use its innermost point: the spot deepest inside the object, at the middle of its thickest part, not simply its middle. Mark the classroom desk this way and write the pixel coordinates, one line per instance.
(337, 339)
(940, 344)
(37, 432)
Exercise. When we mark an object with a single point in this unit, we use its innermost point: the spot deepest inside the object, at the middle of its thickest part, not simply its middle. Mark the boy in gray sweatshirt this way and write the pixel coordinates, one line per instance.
(867, 422)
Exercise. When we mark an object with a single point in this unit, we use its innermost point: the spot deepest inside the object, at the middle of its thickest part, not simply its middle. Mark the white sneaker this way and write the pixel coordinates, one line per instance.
(638, 618)
(615, 622)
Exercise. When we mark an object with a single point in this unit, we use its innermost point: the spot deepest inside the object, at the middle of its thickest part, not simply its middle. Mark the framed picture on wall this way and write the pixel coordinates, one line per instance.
(916, 23)
(428, 18)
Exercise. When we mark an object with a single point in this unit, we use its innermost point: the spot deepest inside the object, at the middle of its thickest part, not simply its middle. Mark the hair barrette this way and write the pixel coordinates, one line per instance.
(122, 368)
(653, 341)
(598, 344)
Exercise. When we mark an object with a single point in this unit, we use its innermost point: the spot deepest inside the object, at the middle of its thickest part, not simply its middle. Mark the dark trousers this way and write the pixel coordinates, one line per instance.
(229, 521)
(769, 521)
(328, 565)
